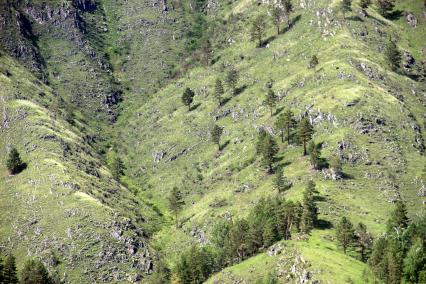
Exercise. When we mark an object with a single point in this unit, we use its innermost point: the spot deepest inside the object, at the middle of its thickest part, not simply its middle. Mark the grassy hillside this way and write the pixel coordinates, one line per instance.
(65, 207)
(362, 111)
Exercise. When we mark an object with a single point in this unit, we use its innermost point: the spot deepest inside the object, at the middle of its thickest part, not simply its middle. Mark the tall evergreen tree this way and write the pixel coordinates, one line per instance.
(258, 29)
(314, 62)
(218, 91)
(277, 15)
(314, 154)
(14, 162)
(392, 55)
(395, 256)
(280, 182)
(285, 122)
(271, 100)
(378, 260)
(398, 219)
(34, 272)
(345, 233)
(305, 132)
(216, 133)
(115, 164)
(269, 150)
(176, 203)
(188, 98)
(309, 216)
(232, 79)
(9, 270)
(364, 241)
(385, 7)
(287, 9)
(415, 262)
(346, 6)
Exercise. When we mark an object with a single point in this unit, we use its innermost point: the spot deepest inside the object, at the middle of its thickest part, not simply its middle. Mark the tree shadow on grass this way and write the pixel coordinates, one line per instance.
(324, 224)
(278, 110)
(194, 107)
(355, 19)
(225, 101)
(293, 22)
(268, 41)
(395, 15)
(239, 90)
(223, 146)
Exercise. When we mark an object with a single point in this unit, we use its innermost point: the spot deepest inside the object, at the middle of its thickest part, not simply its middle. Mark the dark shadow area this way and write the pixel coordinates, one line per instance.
(19, 169)
(195, 107)
(355, 18)
(239, 90)
(216, 59)
(292, 24)
(395, 15)
(278, 110)
(268, 41)
(225, 101)
(282, 165)
(223, 146)
(347, 176)
(324, 224)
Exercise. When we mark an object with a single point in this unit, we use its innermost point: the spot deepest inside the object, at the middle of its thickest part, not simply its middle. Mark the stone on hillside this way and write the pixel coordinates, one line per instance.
(411, 19)
(275, 249)
(409, 60)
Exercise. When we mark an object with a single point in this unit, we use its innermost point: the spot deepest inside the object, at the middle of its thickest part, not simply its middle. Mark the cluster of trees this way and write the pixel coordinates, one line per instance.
(33, 272)
(357, 238)
(400, 254)
(271, 220)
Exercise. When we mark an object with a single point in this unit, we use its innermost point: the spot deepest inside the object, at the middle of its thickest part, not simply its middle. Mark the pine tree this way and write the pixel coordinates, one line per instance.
(280, 182)
(285, 121)
(34, 272)
(270, 234)
(115, 164)
(364, 4)
(1, 270)
(346, 6)
(314, 154)
(335, 165)
(345, 233)
(395, 256)
(309, 216)
(218, 91)
(415, 262)
(378, 259)
(269, 150)
(287, 10)
(176, 203)
(364, 241)
(385, 7)
(188, 98)
(9, 270)
(314, 62)
(258, 29)
(392, 55)
(271, 100)
(398, 220)
(14, 163)
(207, 50)
(216, 133)
(277, 14)
(305, 133)
(232, 79)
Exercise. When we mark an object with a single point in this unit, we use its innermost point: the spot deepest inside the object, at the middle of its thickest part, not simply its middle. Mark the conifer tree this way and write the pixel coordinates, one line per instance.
(207, 50)
(314, 62)
(395, 257)
(115, 164)
(34, 272)
(309, 216)
(287, 7)
(346, 6)
(258, 29)
(285, 122)
(345, 233)
(305, 132)
(188, 98)
(392, 55)
(364, 4)
(271, 100)
(269, 150)
(1, 270)
(378, 259)
(415, 262)
(216, 133)
(218, 91)
(314, 154)
(364, 241)
(280, 182)
(232, 79)
(176, 203)
(398, 220)
(14, 163)
(9, 270)
(270, 234)
(385, 7)
(277, 14)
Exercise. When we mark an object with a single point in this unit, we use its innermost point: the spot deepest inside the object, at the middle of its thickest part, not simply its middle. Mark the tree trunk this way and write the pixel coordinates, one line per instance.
(278, 29)
(177, 220)
(282, 135)
(218, 146)
(288, 135)
(304, 148)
